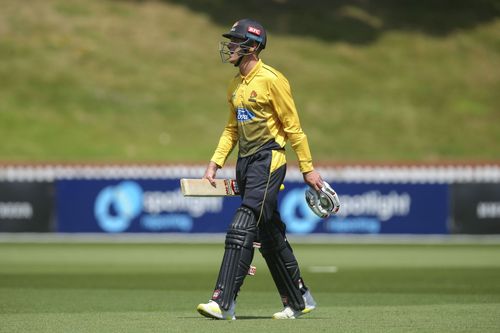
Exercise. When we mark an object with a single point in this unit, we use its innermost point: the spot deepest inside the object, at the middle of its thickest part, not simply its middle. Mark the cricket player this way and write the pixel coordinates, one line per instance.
(262, 118)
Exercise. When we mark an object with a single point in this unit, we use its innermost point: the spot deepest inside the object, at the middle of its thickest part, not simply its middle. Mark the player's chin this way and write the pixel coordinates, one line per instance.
(234, 59)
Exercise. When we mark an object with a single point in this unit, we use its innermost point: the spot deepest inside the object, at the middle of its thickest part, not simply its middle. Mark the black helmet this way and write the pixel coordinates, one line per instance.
(248, 29)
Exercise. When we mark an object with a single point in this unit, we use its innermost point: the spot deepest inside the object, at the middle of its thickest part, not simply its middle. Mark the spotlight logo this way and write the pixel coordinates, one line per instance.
(116, 206)
(295, 211)
(361, 213)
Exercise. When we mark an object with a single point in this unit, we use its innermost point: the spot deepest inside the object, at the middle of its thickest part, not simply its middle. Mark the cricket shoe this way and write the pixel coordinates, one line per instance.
(289, 313)
(214, 311)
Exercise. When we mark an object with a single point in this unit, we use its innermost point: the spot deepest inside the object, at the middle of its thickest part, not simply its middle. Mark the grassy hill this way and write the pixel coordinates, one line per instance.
(141, 81)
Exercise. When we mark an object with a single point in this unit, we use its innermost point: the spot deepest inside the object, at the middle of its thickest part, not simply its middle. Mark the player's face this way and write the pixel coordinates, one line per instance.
(234, 48)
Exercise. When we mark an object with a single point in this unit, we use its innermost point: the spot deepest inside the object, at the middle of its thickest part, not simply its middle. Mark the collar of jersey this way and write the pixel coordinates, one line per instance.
(252, 73)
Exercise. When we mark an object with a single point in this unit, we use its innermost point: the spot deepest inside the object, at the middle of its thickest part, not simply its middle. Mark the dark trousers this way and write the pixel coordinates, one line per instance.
(258, 220)
(259, 187)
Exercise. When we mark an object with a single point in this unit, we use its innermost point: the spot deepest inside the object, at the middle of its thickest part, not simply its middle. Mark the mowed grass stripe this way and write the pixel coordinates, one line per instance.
(156, 287)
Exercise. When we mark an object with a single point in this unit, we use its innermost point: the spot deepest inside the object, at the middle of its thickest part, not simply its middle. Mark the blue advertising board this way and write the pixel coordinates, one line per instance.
(372, 209)
(137, 206)
(157, 205)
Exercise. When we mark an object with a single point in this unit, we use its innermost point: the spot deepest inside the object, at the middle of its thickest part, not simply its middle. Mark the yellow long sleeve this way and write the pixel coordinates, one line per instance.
(227, 141)
(284, 105)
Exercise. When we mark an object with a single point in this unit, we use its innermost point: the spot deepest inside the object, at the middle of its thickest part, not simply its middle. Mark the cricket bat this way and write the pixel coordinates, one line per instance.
(203, 188)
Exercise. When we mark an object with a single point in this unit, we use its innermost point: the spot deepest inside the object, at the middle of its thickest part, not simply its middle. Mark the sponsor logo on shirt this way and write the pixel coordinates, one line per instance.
(253, 95)
(243, 114)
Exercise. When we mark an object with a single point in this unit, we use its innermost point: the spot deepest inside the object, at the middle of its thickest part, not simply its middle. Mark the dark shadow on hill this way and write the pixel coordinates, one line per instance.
(351, 21)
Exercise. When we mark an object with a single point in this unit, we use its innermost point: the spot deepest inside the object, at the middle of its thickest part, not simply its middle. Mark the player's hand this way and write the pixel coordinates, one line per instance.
(313, 179)
(211, 172)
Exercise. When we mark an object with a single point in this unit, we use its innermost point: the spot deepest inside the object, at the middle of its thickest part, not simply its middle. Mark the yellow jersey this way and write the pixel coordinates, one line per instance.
(262, 115)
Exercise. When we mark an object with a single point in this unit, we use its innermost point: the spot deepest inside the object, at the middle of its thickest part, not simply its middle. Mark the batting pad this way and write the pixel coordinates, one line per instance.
(283, 266)
(238, 256)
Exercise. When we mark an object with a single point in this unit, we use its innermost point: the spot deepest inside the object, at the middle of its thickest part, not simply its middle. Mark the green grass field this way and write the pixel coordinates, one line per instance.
(142, 81)
(78, 287)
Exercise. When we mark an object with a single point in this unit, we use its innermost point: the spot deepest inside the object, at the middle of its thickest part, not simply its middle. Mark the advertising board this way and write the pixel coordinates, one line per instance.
(129, 205)
(372, 209)
(26, 206)
(475, 208)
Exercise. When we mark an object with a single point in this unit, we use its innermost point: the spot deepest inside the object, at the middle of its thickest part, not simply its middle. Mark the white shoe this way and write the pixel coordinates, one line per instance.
(289, 313)
(213, 310)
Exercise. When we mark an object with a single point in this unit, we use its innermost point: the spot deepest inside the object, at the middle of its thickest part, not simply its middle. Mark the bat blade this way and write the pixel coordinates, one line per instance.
(203, 188)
